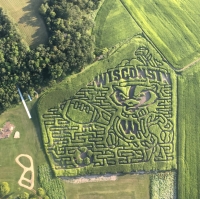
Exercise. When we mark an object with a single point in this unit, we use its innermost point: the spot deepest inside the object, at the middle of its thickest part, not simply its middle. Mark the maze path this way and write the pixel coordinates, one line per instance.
(125, 116)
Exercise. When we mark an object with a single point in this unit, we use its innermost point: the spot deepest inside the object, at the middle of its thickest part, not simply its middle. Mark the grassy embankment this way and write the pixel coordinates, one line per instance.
(29, 143)
(189, 133)
(113, 24)
(171, 25)
(28, 20)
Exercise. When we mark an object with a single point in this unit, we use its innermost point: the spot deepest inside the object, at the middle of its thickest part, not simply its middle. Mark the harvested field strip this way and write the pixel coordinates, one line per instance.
(174, 32)
(127, 186)
(113, 24)
(26, 15)
(188, 134)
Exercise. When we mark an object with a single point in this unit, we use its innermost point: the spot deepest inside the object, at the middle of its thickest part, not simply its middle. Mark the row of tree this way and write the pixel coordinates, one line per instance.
(70, 48)
(5, 190)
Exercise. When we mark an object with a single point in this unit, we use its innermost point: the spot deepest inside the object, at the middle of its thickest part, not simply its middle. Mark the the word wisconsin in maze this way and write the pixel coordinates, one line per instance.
(122, 121)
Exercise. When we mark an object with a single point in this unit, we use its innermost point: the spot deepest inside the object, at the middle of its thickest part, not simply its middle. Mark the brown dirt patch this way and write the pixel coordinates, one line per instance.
(6, 131)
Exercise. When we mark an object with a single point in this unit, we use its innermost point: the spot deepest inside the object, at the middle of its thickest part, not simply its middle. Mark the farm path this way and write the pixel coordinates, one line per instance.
(188, 66)
(92, 178)
(26, 169)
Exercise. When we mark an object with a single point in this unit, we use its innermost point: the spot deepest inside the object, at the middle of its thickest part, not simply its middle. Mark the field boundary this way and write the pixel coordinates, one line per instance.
(188, 139)
(111, 25)
(187, 66)
(159, 51)
(98, 31)
(148, 39)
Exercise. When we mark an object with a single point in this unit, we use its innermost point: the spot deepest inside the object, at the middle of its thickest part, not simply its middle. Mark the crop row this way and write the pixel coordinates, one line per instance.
(125, 117)
(51, 184)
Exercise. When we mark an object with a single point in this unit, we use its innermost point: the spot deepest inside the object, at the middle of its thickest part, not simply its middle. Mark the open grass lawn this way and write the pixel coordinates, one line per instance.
(172, 25)
(189, 134)
(127, 187)
(113, 24)
(29, 143)
(26, 15)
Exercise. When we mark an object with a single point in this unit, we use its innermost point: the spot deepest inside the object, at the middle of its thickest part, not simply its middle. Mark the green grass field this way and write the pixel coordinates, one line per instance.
(26, 15)
(128, 187)
(171, 25)
(113, 24)
(29, 143)
(188, 133)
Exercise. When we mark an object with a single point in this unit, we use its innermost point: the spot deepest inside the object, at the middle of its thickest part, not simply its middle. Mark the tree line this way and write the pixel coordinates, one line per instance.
(5, 193)
(69, 48)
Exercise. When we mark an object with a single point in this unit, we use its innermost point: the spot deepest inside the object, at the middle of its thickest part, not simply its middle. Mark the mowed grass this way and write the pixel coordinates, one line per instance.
(189, 134)
(128, 187)
(172, 25)
(113, 24)
(29, 143)
(26, 15)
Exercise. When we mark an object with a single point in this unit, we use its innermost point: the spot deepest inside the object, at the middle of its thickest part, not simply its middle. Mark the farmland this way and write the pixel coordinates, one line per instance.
(137, 109)
(26, 15)
(163, 185)
(126, 186)
(171, 25)
(89, 133)
(53, 186)
(113, 24)
(188, 131)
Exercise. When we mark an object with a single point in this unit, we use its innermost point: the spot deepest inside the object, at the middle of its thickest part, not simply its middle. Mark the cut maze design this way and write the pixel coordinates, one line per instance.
(125, 116)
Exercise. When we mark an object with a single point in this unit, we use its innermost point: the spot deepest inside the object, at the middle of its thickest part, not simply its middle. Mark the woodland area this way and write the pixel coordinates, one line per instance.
(70, 47)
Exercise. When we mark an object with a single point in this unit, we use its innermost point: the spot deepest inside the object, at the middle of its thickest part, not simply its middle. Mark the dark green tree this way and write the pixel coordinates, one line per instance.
(23, 195)
(41, 192)
(4, 189)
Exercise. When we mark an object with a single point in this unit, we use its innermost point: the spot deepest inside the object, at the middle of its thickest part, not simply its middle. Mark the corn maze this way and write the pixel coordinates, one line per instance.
(123, 120)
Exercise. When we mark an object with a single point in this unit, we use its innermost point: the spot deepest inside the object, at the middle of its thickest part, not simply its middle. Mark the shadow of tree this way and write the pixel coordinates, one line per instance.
(35, 119)
(33, 19)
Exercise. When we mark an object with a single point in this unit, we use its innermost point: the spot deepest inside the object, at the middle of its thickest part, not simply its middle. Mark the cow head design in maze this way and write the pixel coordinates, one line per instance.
(124, 116)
